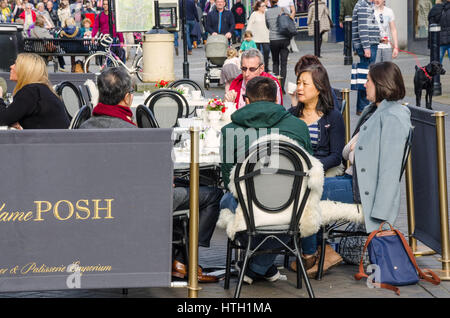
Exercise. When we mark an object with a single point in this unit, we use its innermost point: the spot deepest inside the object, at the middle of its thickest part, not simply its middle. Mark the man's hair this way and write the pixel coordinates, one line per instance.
(252, 53)
(388, 81)
(261, 88)
(113, 84)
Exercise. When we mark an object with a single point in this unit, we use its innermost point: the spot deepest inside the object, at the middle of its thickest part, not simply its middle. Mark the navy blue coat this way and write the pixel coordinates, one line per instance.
(212, 22)
(331, 138)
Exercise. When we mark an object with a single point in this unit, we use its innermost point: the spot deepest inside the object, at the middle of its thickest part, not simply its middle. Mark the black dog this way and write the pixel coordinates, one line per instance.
(424, 81)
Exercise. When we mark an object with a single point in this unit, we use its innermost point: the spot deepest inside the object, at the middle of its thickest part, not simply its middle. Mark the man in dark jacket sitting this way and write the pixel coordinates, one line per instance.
(262, 115)
(220, 20)
(113, 111)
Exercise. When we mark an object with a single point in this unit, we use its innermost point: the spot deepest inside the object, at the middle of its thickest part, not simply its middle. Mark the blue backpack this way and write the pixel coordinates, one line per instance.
(393, 261)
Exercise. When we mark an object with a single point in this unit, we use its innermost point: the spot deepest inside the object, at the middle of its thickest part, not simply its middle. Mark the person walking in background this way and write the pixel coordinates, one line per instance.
(444, 22)
(53, 14)
(365, 38)
(346, 9)
(257, 24)
(288, 6)
(191, 19)
(388, 32)
(324, 19)
(220, 20)
(44, 13)
(240, 18)
(18, 9)
(278, 43)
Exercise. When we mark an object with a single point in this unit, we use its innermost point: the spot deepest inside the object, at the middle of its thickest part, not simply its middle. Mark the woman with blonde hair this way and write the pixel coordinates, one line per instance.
(35, 104)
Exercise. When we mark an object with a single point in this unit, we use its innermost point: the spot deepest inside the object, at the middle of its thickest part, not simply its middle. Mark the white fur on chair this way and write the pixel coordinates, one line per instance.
(333, 211)
(94, 91)
(310, 221)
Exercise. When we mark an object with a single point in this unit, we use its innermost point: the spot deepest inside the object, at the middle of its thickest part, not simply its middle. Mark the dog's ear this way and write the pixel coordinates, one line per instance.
(442, 71)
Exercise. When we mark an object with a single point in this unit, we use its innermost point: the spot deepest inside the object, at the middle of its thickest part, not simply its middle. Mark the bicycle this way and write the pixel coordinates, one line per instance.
(108, 58)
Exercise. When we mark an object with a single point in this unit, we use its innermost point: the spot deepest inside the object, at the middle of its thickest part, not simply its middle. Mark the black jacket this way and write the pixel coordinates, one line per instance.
(331, 138)
(35, 106)
(238, 11)
(445, 24)
(212, 22)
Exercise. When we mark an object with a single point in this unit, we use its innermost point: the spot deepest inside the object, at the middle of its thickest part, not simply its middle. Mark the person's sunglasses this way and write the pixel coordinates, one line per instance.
(251, 69)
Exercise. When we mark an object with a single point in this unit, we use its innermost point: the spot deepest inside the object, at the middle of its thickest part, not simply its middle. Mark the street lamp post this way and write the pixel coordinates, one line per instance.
(183, 31)
(316, 29)
(110, 17)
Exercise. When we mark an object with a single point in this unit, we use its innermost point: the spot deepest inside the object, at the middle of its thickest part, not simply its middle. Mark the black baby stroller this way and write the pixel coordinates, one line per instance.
(216, 54)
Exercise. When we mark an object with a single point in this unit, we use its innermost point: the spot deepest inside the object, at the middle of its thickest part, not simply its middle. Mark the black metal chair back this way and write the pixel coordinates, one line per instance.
(272, 182)
(145, 117)
(71, 97)
(167, 106)
(83, 114)
(86, 95)
(189, 83)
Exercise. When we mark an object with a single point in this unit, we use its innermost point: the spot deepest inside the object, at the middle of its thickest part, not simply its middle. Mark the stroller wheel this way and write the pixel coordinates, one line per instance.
(206, 82)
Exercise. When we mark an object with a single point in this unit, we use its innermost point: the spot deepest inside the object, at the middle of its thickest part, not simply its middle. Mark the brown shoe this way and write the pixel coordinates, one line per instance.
(179, 270)
(332, 259)
(189, 52)
(308, 262)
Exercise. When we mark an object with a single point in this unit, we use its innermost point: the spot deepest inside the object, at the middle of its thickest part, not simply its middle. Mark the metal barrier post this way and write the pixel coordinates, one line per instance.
(193, 214)
(348, 57)
(435, 31)
(444, 274)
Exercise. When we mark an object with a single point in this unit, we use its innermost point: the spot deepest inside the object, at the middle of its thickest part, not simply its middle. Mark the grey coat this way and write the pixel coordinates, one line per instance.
(378, 157)
(105, 122)
(271, 22)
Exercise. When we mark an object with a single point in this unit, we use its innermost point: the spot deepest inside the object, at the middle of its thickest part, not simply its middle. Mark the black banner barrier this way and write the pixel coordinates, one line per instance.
(425, 178)
(85, 209)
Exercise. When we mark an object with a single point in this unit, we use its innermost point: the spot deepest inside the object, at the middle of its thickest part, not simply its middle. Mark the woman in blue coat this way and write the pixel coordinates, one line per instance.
(375, 152)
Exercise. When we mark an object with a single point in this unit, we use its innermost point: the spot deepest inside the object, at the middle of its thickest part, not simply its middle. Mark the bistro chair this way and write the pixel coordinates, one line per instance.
(71, 97)
(86, 95)
(145, 117)
(276, 197)
(193, 86)
(167, 106)
(336, 214)
(83, 114)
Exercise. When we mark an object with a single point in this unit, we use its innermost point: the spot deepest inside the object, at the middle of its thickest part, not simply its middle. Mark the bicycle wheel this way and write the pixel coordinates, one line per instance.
(106, 61)
(140, 68)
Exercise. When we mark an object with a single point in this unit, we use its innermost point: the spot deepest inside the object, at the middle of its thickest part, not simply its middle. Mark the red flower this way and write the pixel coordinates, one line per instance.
(224, 109)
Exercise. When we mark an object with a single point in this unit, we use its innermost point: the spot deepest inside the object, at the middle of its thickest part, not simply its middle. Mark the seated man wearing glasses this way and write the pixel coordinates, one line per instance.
(113, 111)
(252, 65)
(260, 115)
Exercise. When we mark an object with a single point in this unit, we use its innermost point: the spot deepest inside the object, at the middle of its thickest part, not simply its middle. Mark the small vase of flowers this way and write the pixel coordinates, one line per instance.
(215, 108)
(162, 84)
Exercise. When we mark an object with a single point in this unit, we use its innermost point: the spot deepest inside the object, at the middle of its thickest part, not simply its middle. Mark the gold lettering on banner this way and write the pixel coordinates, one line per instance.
(62, 210)
(56, 210)
(97, 208)
(83, 209)
(39, 210)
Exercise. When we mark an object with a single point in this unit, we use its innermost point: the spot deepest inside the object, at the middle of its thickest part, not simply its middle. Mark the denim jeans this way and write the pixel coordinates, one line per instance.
(189, 27)
(339, 189)
(443, 49)
(209, 199)
(258, 263)
(362, 97)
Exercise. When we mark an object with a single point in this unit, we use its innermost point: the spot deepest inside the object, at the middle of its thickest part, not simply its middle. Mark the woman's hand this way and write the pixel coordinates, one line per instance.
(16, 126)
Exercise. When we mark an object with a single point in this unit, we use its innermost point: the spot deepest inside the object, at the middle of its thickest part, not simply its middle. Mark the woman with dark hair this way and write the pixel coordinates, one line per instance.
(303, 62)
(315, 108)
(375, 153)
